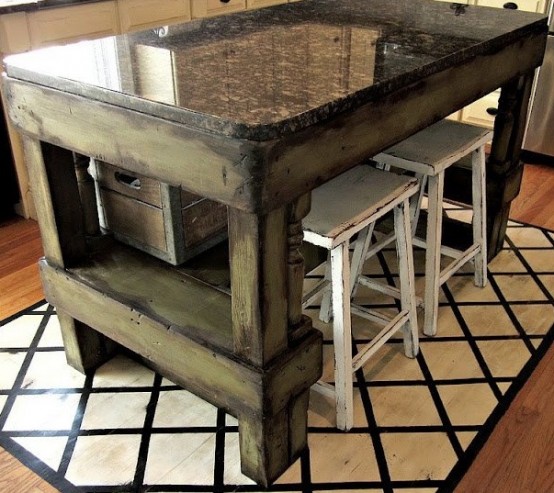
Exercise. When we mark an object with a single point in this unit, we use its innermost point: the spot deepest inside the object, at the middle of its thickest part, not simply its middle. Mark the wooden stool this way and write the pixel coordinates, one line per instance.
(342, 207)
(428, 154)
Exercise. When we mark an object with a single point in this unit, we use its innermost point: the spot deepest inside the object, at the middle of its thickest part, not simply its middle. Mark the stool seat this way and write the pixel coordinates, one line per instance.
(432, 150)
(429, 153)
(348, 203)
(341, 208)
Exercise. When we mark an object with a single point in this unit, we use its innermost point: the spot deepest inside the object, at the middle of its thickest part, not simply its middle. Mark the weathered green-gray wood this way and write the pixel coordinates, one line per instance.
(504, 167)
(57, 199)
(297, 210)
(212, 372)
(257, 254)
(308, 158)
(85, 348)
(211, 166)
(62, 227)
(261, 176)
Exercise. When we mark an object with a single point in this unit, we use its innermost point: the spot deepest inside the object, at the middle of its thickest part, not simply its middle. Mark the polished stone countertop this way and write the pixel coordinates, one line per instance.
(264, 73)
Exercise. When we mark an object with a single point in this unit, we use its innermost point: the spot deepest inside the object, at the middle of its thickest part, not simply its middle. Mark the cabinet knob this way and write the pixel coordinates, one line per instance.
(492, 111)
(511, 5)
(224, 1)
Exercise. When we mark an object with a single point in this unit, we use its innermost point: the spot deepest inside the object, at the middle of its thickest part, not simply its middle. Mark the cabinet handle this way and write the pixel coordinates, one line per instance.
(224, 1)
(511, 5)
(127, 180)
(492, 111)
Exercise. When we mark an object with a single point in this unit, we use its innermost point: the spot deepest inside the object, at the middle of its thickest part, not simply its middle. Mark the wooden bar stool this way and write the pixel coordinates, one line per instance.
(342, 207)
(429, 153)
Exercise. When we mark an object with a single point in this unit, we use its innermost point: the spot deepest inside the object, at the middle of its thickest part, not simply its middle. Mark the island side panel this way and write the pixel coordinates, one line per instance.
(62, 227)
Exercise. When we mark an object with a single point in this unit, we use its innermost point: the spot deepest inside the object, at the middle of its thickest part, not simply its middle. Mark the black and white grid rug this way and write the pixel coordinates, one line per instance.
(418, 423)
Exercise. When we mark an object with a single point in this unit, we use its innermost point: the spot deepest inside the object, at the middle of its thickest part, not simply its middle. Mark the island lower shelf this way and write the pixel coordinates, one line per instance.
(181, 325)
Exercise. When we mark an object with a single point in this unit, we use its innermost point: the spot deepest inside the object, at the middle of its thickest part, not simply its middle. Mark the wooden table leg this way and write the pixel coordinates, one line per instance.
(62, 227)
(265, 267)
(504, 168)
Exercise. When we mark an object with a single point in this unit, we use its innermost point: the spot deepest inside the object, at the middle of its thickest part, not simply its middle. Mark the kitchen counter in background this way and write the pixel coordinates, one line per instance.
(29, 24)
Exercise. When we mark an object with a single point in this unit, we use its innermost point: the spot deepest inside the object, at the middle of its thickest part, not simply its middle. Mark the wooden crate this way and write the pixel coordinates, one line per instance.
(159, 219)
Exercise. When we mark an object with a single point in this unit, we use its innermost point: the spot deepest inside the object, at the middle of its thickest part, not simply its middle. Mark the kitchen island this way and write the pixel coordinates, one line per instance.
(252, 110)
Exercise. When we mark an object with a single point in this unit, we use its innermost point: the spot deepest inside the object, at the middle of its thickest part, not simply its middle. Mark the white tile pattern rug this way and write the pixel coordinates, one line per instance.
(418, 423)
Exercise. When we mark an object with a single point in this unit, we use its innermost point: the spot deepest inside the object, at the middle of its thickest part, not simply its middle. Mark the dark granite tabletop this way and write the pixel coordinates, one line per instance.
(261, 73)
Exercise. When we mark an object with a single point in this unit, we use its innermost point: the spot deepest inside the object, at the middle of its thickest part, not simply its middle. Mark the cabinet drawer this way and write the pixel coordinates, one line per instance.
(65, 24)
(206, 8)
(526, 5)
(14, 34)
(255, 4)
(142, 14)
(162, 220)
(478, 112)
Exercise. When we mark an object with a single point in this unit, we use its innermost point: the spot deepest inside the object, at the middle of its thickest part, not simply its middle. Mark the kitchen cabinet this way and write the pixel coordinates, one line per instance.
(65, 24)
(135, 15)
(254, 4)
(483, 111)
(208, 8)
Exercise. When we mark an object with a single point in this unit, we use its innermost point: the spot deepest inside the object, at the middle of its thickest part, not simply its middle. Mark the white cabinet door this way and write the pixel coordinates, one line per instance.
(65, 24)
(135, 15)
(207, 8)
(527, 5)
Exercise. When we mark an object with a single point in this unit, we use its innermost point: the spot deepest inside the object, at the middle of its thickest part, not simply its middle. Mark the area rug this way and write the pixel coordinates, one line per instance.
(418, 423)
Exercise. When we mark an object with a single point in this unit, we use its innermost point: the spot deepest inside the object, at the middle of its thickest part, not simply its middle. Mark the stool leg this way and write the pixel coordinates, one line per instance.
(326, 309)
(416, 200)
(433, 253)
(358, 257)
(406, 271)
(342, 335)
(479, 215)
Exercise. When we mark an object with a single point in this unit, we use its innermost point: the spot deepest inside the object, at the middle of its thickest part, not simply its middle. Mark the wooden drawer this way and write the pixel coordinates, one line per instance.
(255, 4)
(143, 14)
(526, 5)
(164, 221)
(481, 112)
(207, 8)
(65, 24)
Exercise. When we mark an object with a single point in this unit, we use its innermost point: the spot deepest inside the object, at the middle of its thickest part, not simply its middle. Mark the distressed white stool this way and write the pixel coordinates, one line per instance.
(342, 207)
(429, 153)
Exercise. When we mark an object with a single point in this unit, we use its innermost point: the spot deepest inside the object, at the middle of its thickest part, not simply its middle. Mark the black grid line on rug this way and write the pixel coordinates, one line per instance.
(128, 429)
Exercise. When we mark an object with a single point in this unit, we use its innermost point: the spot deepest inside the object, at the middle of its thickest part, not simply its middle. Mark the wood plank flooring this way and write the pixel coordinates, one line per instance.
(518, 457)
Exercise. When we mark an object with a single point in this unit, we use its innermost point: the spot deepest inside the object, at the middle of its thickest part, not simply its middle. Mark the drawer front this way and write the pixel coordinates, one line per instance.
(14, 34)
(65, 24)
(134, 219)
(526, 5)
(203, 220)
(138, 187)
(479, 112)
(254, 4)
(142, 14)
(206, 8)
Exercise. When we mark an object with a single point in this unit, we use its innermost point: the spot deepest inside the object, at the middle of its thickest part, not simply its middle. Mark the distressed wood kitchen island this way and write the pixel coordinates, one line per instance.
(253, 111)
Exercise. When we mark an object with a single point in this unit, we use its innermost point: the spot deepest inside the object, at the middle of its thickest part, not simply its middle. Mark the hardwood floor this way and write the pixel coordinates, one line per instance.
(520, 453)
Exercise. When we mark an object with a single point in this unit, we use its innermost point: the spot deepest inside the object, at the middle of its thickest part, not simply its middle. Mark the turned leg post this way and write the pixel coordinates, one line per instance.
(504, 168)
